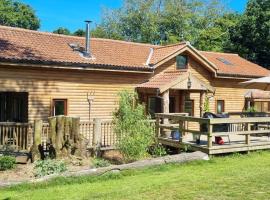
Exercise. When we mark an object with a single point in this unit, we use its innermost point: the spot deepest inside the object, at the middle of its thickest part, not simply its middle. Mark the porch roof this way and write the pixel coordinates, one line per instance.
(175, 80)
(257, 94)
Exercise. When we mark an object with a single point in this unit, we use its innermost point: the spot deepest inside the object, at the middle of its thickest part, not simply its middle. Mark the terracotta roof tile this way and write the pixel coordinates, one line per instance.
(236, 65)
(161, 79)
(162, 52)
(21, 45)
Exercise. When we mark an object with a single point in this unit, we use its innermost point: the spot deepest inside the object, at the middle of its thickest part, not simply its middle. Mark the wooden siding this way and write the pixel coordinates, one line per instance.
(228, 90)
(43, 85)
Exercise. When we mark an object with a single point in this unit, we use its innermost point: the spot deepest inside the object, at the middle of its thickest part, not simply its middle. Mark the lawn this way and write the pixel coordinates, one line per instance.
(231, 177)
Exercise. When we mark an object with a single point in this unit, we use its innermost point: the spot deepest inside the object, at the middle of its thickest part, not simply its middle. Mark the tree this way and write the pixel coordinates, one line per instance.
(204, 23)
(135, 134)
(16, 14)
(79, 32)
(62, 31)
(251, 36)
(217, 36)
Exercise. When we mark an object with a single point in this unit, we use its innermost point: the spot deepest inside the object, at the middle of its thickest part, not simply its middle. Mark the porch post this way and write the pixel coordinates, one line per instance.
(202, 101)
(165, 104)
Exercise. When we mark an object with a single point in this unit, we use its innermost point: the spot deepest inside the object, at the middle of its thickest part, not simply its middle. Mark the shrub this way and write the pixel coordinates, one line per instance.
(47, 167)
(132, 126)
(251, 109)
(157, 151)
(98, 162)
(7, 162)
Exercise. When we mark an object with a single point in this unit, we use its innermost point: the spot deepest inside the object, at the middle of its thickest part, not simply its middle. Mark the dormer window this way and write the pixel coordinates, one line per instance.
(181, 62)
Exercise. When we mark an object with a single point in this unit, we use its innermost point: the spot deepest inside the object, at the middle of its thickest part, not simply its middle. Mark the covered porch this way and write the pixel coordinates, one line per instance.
(174, 92)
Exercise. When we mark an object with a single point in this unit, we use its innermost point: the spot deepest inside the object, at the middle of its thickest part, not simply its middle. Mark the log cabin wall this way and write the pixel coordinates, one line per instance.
(44, 85)
(228, 90)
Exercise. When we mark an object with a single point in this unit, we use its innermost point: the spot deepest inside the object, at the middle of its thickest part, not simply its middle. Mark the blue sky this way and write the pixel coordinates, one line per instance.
(72, 13)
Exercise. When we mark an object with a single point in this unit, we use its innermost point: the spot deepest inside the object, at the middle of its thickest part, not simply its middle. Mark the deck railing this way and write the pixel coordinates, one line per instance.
(247, 127)
(97, 133)
(19, 136)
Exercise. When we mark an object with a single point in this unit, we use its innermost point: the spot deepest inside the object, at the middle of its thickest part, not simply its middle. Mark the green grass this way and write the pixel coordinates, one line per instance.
(231, 177)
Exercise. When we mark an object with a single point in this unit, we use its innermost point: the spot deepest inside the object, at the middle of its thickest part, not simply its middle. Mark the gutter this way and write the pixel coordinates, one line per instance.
(75, 66)
(239, 76)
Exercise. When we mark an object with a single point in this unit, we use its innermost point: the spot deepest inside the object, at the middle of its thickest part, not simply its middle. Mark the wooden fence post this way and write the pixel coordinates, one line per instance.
(157, 129)
(181, 133)
(209, 136)
(37, 139)
(97, 137)
(248, 135)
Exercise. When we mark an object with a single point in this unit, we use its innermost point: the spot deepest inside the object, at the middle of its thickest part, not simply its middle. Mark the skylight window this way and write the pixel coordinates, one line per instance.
(224, 61)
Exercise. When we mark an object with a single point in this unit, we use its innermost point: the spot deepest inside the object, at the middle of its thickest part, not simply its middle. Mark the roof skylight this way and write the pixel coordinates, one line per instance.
(224, 61)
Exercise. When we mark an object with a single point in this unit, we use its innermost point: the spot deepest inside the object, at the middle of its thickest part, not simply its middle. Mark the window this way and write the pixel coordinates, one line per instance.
(13, 107)
(154, 106)
(220, 106)
(181, 62)
(224, 61)
(189, 107)
(59, 107)
(262, 106)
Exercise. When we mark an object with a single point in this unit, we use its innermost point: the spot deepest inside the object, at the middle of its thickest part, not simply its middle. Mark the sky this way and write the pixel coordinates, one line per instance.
(72, 13)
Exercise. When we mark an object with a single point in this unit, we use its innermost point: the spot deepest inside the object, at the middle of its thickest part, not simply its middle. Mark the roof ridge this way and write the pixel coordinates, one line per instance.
(171, 45)
(127, 42)
(73, 36)
(213, 52)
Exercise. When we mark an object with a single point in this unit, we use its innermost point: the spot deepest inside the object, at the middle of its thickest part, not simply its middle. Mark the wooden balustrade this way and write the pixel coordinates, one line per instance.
(247, 127)
(16, 135)
(99, 134)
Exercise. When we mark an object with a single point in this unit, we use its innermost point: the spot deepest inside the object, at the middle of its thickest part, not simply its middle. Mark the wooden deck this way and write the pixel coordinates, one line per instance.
(235, 145)
(243, 134)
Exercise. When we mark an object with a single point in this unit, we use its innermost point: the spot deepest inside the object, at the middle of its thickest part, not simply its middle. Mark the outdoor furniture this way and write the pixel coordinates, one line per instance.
(216, 127)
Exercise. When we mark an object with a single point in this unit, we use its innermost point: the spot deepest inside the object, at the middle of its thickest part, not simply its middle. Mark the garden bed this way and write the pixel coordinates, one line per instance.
(24, 173)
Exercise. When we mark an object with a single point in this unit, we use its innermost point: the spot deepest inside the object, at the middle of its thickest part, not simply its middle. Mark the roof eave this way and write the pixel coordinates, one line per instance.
(75, 66)
(240, 76)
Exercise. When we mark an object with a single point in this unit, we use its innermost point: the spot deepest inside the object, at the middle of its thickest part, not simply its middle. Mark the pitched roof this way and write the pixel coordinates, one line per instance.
(257, 94)
(26, 46)
(174, 80)
(21, 44)
(233, 64)
(162, 52)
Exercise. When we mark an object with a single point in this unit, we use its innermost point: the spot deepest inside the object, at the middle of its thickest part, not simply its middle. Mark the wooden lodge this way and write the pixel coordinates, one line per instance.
(45, 74)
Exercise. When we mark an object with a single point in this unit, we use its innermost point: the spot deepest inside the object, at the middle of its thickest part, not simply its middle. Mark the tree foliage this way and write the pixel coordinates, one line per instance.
(251, 36)
(134, 132)
(62, 31)
(204, 23)
(17, 14)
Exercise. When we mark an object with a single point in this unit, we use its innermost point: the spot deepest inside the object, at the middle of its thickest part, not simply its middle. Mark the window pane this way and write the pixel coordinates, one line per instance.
(189, 107)
(220, 106)
(181, 62)
(59, 107)
(258, 106)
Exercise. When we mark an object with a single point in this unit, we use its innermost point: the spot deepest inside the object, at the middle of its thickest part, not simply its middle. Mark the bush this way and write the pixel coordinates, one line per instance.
(98, 162)
(7, 162)
(47, 167)
(132, 126)
(158, 151)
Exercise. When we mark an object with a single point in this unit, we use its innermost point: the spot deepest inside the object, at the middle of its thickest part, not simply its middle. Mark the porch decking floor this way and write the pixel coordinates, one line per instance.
(236, 144)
